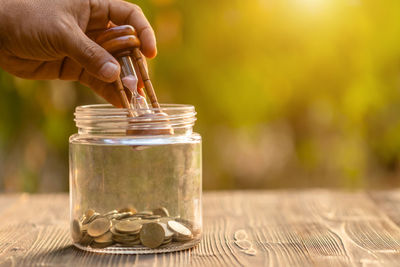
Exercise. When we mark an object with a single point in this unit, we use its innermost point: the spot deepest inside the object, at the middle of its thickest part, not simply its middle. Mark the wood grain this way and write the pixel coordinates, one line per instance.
(283, 228)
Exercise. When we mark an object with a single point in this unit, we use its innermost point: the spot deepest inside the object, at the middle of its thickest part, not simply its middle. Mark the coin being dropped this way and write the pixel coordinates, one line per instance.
(152, 235)
(128, 226)
(179, 229)
(76, 231)
(106, 238)
(162, 211)
(240, 235)
(99, 227)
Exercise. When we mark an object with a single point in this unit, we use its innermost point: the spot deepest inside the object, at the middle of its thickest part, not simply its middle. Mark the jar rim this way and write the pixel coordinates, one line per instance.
(105, 118)
(110, 108)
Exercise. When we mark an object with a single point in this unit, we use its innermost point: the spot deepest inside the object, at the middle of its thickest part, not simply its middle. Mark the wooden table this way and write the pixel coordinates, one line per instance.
(285, 228)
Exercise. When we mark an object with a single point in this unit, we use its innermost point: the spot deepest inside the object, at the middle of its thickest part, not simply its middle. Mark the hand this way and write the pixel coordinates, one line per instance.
(53, 39)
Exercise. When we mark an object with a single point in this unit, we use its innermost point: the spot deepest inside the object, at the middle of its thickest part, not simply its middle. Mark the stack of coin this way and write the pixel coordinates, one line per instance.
(129, 228)
(126, 232)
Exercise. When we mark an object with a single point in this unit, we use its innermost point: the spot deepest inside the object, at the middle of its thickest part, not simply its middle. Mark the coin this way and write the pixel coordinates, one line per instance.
(89, 213)
(144, 213)
(152, 217)
(179, 229)
(101, 245)
(240, 235)
(167, 241)
(128, 209)
(128, 226)
(99, 227)
(112, 212)
(76, 231)
(124, 215)
(82, 218)
(152, 235)
(185, 222)
(130, 244)
(251, 252)
(165, 219)
(105, 238)
(181, 238)
(86, 240)
(243, 244)
(84, 227)
(144, 221)
(121, 239)
(91, 218)
(168, 233)
(162, 211)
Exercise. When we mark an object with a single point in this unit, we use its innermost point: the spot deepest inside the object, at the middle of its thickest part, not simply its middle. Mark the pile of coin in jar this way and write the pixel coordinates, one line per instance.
(127, 227)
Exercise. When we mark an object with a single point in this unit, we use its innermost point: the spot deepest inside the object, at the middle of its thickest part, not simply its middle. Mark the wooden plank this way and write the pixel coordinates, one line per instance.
(285, 228)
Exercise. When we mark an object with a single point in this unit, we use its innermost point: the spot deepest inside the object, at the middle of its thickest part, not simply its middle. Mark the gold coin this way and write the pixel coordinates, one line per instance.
(89, 213)
(91, 218)
(244, 244)
(144, 221)
(179, 229)
(168, 233)
(130, 243)
(84, 227)
(152, 217)
(124, 239)
(165, 219)
(144, 213)
(166, 241)
(86, 240)
(101, 245)
(124, 215)
(128, 226)
(99, 227)
(128, 209)
(105, 238)
(250, 251)
(185, 222)
(152, 235)
(112, 212)
(76, 231)
(115, 232)
(240, 235)
(181, 238)
(162, 211)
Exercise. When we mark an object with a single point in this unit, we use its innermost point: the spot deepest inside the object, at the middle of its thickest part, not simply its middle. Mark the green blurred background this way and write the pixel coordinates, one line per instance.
(289, 93)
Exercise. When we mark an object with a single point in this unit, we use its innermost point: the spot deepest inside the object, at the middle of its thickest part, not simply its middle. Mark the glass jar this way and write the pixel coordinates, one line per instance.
(135, 188)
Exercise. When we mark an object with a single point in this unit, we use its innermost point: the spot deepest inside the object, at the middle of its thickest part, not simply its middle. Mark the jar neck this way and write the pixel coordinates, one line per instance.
(104, 119)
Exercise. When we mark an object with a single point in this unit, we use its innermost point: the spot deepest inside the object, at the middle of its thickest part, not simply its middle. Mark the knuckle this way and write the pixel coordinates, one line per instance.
(90, 52)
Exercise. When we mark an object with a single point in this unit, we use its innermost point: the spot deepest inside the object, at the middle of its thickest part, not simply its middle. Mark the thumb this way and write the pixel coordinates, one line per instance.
(95, 59)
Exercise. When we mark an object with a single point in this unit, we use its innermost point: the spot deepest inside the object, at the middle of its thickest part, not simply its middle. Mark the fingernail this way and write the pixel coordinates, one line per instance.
(109, 70)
